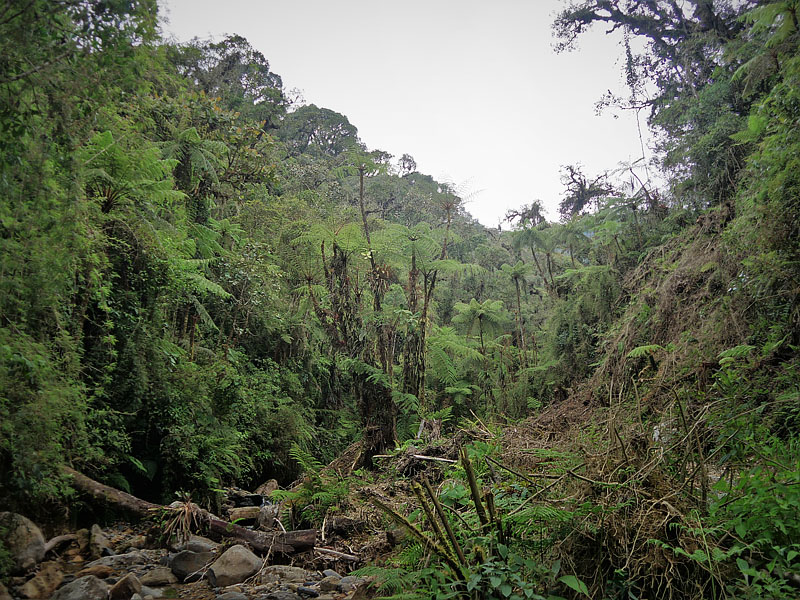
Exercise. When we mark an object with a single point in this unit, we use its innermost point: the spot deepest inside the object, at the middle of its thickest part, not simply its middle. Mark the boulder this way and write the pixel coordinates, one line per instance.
(283, 573)
(44, 583)
(329, 584)
(23, 539)
(4, 595)
(158, 577)
(198, 543)
(267, 515)
(195, 543)
(125, 588)
(98, 543)
(234, 566)
(83, 536)
(186, 564)
(265, 489)
(85, 588)
(349, 583)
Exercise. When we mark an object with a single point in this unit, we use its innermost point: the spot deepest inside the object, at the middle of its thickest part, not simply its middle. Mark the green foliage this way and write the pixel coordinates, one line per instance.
(749, 534)
(480, 560)
(316, 496)
(44, 416)
(644, 351)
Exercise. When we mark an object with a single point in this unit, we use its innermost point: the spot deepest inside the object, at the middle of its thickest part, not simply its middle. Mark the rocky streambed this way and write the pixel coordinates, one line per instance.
(120, 563)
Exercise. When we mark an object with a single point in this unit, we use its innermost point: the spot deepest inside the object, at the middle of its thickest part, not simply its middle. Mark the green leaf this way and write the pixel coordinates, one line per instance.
(138, 464)
(473, 582)
(745, 567)
(741, 529)
(575, 583)
(555, 568)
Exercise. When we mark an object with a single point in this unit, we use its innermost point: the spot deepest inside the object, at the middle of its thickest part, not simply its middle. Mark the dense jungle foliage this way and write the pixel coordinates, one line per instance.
(203, 282)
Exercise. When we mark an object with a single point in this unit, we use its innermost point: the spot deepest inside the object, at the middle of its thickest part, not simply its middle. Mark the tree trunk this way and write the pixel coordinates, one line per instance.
(413, 367)
(541, 270)
(377, 407)
(550, 271)
(520, 332)
(282, 542)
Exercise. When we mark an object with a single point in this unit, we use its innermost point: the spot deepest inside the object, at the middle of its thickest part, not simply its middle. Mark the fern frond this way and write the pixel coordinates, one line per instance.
(308, 464)
(647, 350)
(201, 283)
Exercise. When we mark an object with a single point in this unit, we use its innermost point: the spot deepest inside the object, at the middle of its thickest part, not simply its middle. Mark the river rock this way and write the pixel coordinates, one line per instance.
(329, 584)
(234, 566)
(83, 537)
(125, 588)
(85, 588)
(98, 543)
(186, 564)
(265, 489)
(348, 584)
(121, 561)
(44, 583)
(137, 542)
(151, 593)
(23, 539)
(195, 543)
(267, 515)
(232, 596)
(99, 571)
(282, 595)
(159, 576)
(308, 592)
(283, 573)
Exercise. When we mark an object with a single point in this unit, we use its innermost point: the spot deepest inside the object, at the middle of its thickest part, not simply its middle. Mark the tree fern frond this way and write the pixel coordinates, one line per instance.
(201, 283)
(647, 350)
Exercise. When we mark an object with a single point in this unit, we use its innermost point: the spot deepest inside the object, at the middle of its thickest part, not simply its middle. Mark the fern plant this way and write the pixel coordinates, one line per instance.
(318, 494)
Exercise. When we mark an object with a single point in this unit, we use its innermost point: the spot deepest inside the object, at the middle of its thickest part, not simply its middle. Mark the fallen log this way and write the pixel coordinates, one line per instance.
(60, 540)
(283, 542)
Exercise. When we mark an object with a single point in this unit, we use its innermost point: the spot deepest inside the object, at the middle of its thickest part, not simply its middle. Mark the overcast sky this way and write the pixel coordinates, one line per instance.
(471, 89)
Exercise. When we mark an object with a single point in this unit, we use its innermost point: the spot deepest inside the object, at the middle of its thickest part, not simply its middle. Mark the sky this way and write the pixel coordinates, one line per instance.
(473, 90)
